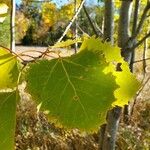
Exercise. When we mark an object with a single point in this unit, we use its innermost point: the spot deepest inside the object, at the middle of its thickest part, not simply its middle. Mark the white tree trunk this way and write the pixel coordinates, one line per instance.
(76, 24)
(12, 25)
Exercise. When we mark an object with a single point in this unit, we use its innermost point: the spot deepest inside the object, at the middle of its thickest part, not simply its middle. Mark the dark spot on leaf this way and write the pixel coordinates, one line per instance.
(118, 67)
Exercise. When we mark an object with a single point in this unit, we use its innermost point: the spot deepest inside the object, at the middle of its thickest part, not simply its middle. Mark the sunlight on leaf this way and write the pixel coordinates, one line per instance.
(74, 89)
(66, 43)
(3, 8)
(8, 69)
(77, 91)
(3, 11)
(127, 82)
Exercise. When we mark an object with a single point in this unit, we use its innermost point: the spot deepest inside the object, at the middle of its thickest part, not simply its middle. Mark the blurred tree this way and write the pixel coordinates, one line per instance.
(5, 32)
(22, 25)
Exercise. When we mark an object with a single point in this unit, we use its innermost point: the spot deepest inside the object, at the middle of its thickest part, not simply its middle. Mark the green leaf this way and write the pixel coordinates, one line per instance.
(75, 90)
(7, 120)
(8, 69)
(66, 43)
(127, 82)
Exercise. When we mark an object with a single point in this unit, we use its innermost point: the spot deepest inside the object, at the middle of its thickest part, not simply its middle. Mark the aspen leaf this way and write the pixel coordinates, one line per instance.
(73, 89)
(8, 69)
(77, 91)
(127, 82)
(7, 120)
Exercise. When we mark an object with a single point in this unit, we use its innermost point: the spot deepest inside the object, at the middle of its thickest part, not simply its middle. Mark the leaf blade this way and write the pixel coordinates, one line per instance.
(7, 119)
(8, 69)
(75, 90)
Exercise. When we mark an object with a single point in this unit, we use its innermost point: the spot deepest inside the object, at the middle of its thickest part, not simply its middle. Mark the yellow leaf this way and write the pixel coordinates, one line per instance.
(3, 11)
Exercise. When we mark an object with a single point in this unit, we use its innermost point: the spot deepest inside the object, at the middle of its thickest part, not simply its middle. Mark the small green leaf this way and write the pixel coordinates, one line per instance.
(8, 69)
(7, 120)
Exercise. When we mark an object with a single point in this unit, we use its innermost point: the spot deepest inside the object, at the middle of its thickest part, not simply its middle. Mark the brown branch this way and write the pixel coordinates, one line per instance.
(144, 55)
(135, 19)
(139, 92)
(67, 28)
(15, 54)
(98, 29)
(134, 28)
(72, 21)
(141, 41)
(143, 17)
(81, 30)
(31, 51)
(28, 56)
(141, 60)
(90, 21)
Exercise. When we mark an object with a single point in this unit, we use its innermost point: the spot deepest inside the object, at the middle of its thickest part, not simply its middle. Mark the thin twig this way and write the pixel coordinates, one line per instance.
(98, 28)
(90, 21)
(72, 21)
(141, 41)
(76, 29)
(139, 92)
(134, 28)
(141, 60)
(30, 51)
(135, 19)
(28, 56)
(144, 55)
(143, 17)
(67, 28)
(81, 29)
(12, 52)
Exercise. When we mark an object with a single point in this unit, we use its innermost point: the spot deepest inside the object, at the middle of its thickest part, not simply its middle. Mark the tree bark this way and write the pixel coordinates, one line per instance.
(126, 112)
(113, 115)
(109, 20)
(134, 28)
(123, 38)
(108, 132)
(76, 23)
(12, 25)
(124, 29)
(144, 57)
(113, 118)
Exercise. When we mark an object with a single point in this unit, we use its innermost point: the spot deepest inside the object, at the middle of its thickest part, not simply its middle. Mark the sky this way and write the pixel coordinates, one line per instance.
(61, 2)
